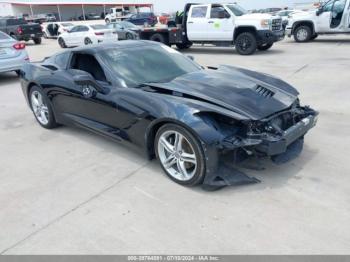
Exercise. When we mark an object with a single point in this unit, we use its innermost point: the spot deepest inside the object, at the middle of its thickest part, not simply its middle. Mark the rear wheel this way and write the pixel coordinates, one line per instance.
(41, 108)
(265, 47)
(302, 34)
(37, 40)
(160, 38)
(184, 45)
(129, 36)
(61, 42)
(180, 155)
(87, 41)
(246, 43)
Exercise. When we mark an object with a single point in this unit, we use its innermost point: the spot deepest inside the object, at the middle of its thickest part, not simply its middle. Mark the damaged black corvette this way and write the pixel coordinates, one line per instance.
(189, 117)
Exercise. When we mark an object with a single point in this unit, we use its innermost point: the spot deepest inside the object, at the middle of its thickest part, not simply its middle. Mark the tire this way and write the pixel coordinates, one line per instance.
(265, 47)
(41, 108)
(246, 43)
(302, 34)
(87, 41)
(129, 36)
(62, 43)
(184, 46)
(160, 38)
(37, 40)
(107, 21)
(194, 169)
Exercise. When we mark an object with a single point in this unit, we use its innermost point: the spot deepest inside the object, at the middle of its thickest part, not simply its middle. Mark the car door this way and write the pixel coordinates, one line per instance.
(71, 37)
(83, 104)
(220, 24)
(197, 23)
(331, 18)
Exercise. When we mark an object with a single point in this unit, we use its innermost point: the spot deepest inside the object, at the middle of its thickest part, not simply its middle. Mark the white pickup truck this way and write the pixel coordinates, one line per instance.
(221, 25)
(333, 17)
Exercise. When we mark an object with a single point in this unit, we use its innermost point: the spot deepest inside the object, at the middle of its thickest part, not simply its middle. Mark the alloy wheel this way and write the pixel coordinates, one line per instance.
(177, 156)
(302, 34)
(39, 107)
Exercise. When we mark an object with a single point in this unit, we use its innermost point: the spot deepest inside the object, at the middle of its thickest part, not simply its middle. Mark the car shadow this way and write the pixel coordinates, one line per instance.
(225, 51)
(8, 78)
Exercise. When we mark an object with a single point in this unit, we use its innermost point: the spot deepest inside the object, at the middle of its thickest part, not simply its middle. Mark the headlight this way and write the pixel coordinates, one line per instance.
(265, 23)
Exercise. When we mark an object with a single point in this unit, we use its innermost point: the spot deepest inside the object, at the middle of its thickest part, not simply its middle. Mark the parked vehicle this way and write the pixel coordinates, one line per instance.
(124, 30)
(145, 19)
(50, 17)
(333, 17)
(189, 117)
(20, 29)
(221, 25)
(90, 16)
(87, 35)
(284, 14)
(54, 29)
(117, 14)
(12, 54)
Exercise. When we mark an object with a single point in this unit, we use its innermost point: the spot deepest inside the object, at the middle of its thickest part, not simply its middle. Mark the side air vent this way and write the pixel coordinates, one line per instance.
(264, 92)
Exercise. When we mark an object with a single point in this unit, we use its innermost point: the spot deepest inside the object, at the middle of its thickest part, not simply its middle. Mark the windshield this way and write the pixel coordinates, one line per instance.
(237, 10)
(147, 64)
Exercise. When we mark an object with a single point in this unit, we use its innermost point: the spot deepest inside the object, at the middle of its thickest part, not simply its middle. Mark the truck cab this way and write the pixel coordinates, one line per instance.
(333, 17)
(230, 24)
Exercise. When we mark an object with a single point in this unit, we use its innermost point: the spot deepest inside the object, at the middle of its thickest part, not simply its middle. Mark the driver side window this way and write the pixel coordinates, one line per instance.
(88, 63)
(328, 7)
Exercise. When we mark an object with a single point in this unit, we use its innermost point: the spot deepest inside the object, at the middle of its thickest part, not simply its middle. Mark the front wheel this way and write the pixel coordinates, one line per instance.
(246, 43)
(265, 47)
(37, 40)
(41, 108)
(129, 36)
(62, 43)
(302, 34)
(180, 155)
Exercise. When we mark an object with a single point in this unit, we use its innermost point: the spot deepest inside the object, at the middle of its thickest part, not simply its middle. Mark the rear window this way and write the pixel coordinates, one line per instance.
(199, 12)
(4, 36)
(99, 27)
(16, 22)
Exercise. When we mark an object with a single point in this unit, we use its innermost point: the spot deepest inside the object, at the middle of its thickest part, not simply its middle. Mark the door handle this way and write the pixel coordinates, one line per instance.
(190, 22)
(211, 22)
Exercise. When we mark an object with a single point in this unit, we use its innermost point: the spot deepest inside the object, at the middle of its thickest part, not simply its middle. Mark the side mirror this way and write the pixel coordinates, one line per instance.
(319, 11)
(191, 57)
(86, 80)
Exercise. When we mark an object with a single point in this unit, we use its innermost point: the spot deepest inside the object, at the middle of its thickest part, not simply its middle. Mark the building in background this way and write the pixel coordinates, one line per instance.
(73, 9)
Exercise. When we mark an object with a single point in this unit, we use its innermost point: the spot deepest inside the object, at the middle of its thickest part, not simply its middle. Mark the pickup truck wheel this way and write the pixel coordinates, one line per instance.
(159, 38)
(246, 43)
(265, 47)
(37, 40)
(302, 34)
(183, 46)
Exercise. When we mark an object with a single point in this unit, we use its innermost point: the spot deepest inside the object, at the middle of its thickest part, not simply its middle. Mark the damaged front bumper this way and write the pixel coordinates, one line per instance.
(280, 145)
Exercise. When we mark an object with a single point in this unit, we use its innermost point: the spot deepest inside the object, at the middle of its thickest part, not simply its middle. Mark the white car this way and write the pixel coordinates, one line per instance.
(54, 29)
(87, 35)
(12, 54)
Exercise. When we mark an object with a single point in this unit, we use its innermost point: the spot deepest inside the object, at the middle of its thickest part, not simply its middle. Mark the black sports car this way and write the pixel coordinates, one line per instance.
(199, 122)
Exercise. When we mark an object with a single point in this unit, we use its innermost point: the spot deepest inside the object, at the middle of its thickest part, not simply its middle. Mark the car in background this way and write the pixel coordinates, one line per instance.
(20, 29)
(125, 30)
(145, 19)
(284, 14)
(54, 29)
(90, 16)
(12, 54)
(87, 35)
(50, 17)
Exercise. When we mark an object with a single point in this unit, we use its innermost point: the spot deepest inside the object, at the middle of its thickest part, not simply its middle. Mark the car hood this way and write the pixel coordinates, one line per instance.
(254, 95)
